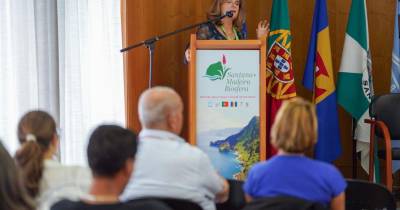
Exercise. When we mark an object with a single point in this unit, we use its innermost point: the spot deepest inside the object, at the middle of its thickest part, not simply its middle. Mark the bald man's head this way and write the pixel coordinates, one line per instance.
(161, 108)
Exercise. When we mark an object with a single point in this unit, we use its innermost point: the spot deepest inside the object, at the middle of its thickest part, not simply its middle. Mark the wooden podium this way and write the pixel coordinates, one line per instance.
(227, 103)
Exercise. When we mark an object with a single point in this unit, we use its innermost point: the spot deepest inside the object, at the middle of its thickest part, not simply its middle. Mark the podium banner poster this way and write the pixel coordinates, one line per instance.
(228, 109)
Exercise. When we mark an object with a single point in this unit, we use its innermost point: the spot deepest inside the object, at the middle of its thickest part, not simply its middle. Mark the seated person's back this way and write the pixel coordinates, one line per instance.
(296, 176)
(290, 173)
(172, 168)
(45, 179)
(111, 152)
(167, 166)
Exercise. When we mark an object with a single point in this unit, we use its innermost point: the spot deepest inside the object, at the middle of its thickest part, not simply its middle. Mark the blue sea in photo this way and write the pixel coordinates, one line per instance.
(224, 162)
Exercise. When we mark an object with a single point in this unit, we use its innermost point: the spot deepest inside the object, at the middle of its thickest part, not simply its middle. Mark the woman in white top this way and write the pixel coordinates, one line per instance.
(45, 179)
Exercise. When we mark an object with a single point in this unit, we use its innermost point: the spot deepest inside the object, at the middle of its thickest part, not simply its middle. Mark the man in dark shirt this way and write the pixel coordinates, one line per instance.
(111, 152)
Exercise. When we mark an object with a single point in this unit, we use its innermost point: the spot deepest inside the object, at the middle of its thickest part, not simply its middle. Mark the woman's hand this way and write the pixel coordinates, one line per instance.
(223, 196)
(187, 55)
(262, 29)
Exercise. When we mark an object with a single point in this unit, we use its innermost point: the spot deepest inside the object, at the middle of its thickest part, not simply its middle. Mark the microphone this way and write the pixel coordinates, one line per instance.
(229, 14)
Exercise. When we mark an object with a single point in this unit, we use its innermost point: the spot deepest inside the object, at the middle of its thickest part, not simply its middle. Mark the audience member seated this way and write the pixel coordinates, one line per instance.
(13, 195)
(111, 152)
(166, 166)
(44, 178)
(291, 173)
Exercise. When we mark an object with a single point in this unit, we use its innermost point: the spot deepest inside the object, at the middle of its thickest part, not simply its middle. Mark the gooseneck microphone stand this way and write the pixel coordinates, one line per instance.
(150, 43)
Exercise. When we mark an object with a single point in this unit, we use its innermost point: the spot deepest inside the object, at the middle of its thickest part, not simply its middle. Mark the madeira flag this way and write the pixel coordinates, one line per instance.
(279, 74)
(318, 77)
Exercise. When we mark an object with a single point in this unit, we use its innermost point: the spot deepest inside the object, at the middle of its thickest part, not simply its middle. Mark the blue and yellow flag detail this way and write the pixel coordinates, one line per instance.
(318, 77)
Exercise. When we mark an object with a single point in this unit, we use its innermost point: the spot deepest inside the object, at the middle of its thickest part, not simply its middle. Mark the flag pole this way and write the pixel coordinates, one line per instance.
(354, 148)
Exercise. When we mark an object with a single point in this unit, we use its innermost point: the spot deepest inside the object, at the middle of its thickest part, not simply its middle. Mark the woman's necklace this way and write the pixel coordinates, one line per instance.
(226, 35)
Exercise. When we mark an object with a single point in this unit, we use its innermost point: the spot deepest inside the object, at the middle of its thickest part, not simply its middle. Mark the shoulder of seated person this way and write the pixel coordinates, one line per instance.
(65, 168)
(324, 165)
(194, 148)
(67, 174)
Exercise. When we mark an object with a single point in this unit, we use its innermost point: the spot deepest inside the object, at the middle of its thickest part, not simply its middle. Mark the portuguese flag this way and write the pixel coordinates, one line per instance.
(279, 75)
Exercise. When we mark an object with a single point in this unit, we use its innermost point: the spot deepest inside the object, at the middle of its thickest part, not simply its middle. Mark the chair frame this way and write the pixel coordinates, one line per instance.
(388, 146)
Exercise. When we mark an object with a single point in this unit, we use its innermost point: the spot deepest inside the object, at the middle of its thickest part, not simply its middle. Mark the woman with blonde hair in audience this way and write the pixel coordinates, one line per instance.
(13, 195)
(291, 173)
(44, 178)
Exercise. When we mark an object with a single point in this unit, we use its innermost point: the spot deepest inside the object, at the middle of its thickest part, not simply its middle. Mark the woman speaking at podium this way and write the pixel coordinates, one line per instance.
(228, 28)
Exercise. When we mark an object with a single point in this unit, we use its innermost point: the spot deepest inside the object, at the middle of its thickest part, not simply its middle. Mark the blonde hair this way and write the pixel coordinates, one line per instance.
(215, 11)
(295, 127)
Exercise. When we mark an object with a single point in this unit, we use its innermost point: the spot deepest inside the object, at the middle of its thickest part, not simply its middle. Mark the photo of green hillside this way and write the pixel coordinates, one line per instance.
(245, 145)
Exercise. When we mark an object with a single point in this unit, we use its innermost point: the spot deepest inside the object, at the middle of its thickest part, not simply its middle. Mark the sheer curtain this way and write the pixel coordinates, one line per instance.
(91, 71)
(28, 63)
(61, 56)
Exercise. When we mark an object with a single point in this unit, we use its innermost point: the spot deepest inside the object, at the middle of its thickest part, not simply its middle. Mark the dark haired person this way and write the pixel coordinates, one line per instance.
(111, 153)
(46, 179)
(13, 195)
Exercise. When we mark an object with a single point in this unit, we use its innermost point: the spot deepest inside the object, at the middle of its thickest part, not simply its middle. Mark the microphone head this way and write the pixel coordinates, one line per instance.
(229, 14)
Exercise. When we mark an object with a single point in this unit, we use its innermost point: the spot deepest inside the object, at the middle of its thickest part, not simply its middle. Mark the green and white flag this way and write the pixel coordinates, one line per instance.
(354, 86)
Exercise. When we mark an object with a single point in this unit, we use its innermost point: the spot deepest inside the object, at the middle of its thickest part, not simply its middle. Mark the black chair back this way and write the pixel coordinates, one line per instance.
(147, 204)
(174, 204)
(180, 204)
(366, 195)
(236, 199)
(386, 108)
(283, 203)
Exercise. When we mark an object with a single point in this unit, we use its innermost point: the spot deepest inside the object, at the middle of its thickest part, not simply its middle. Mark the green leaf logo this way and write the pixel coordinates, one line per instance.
(217, 70)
